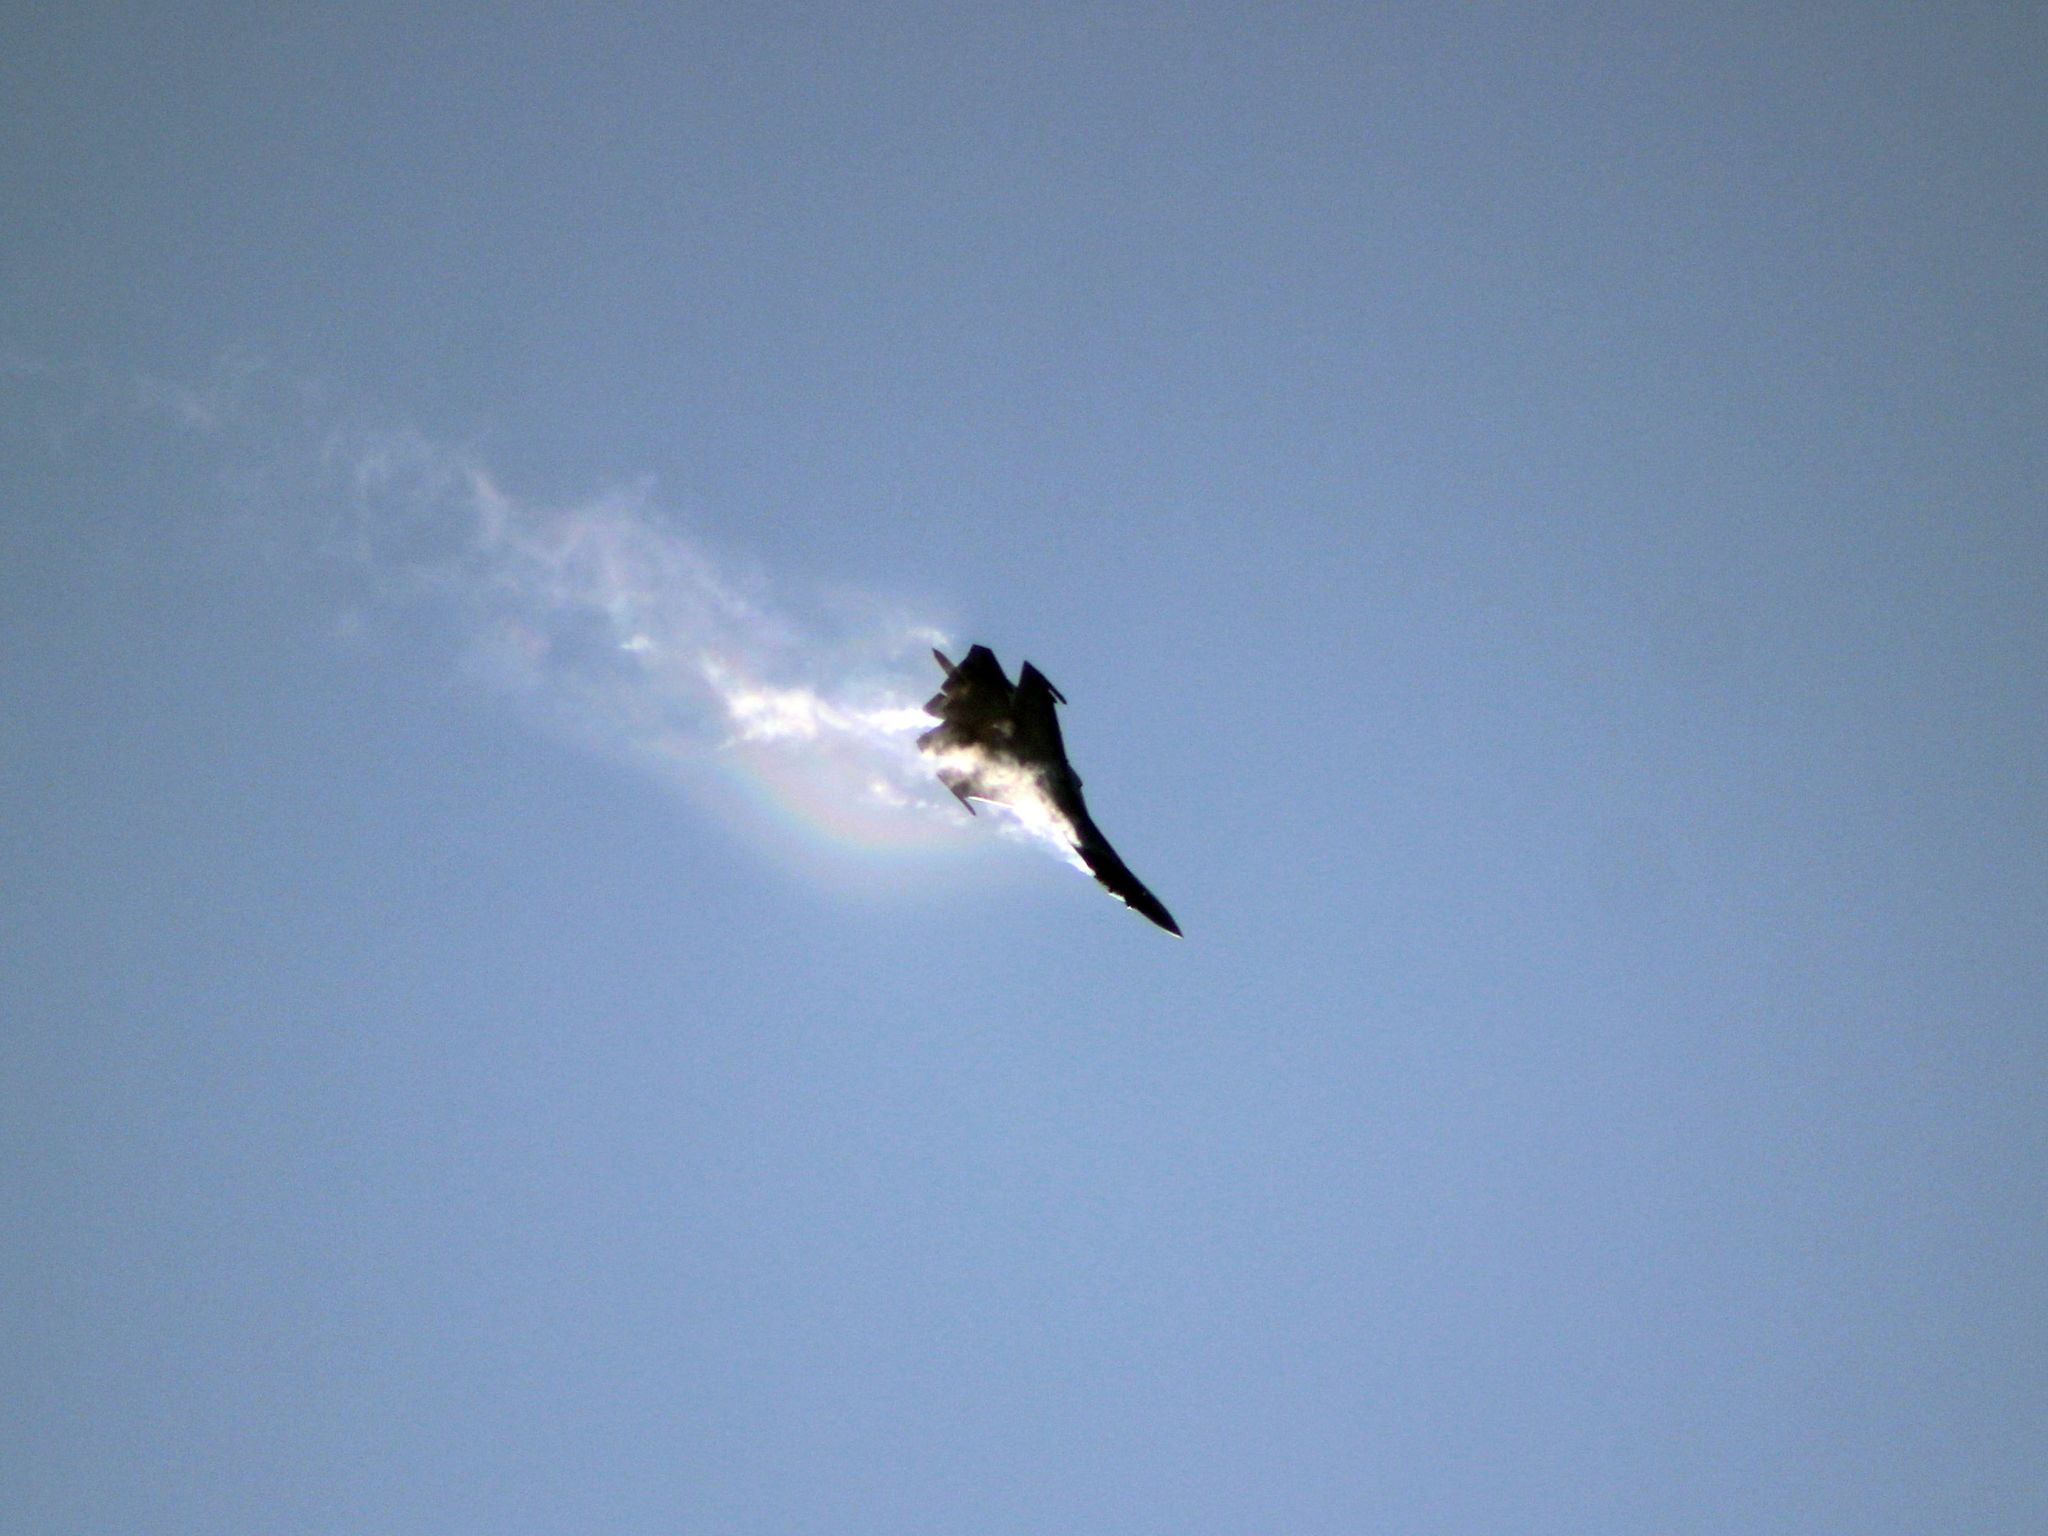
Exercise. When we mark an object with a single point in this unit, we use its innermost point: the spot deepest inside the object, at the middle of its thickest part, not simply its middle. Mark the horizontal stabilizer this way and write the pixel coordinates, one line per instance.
(957, 782)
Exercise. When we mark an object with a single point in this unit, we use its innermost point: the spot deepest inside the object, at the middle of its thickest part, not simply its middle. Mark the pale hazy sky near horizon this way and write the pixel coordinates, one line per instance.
(1539, 515)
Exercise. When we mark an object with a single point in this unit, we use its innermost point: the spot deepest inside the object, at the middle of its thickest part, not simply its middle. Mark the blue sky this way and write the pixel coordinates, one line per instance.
(1540, 519)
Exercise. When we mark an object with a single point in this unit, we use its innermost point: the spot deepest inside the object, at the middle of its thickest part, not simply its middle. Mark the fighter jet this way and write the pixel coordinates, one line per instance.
(1000, 741)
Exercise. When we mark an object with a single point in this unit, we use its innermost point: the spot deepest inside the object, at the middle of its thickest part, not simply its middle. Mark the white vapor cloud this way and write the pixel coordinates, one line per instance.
(602, 617)
(606, 619)
(609, 621)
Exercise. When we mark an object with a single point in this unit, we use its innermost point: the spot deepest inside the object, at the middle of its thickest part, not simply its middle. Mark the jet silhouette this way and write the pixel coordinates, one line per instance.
(1000, 741)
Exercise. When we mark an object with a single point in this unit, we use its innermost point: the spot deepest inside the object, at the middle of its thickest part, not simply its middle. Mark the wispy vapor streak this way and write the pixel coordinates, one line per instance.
(602, 617)
(611, 623)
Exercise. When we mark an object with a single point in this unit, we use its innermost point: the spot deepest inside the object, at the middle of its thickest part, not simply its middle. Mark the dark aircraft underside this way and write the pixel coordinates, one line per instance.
(1000, 741)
